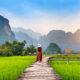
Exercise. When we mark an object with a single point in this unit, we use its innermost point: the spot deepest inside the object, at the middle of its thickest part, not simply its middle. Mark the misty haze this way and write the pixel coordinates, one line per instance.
(39, 39)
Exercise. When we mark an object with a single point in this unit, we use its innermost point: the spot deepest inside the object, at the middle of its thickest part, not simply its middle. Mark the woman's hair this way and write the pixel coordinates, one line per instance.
(39, 49)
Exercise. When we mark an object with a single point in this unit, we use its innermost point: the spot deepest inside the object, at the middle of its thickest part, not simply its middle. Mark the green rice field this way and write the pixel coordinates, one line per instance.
(69, 71)
(12, 67)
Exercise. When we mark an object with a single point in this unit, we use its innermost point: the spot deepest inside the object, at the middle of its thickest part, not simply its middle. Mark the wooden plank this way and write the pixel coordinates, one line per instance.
(64, 59)
(40, 71)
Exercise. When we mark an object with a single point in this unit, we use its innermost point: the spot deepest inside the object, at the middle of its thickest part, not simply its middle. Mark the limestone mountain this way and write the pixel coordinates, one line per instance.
(53, 48)
(63, 39)
(5, 30)
(29, 32)
(20, 36)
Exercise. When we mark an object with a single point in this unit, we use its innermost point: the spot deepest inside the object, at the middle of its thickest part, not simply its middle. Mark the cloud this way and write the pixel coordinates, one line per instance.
(44, 22)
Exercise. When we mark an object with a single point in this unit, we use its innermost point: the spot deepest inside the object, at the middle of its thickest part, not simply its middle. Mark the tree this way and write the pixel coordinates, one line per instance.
(1, 52)
(32, 49)
(24, 52)
(12, 48)
(18, 48)
(28, 50)
(24, 42)
(7, 51)
(53, 48)
(7, 43)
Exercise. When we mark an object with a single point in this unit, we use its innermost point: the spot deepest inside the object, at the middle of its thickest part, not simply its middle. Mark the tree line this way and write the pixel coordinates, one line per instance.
(16, 48)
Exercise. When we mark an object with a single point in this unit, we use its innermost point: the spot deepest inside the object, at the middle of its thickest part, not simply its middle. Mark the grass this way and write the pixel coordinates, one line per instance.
(69, 71)
(12, 67)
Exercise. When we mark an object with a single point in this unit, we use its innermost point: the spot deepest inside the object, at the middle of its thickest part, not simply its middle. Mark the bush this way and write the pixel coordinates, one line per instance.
(16, 48)
(12, 48)
(31, 49)
(1, 52)
(7, 52)
(24, 52)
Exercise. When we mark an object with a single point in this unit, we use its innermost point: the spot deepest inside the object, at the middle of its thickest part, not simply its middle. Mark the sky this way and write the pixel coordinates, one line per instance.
(42, 15)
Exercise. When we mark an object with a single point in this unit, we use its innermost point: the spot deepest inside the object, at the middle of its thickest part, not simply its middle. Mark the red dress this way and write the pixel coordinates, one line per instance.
(39, 55)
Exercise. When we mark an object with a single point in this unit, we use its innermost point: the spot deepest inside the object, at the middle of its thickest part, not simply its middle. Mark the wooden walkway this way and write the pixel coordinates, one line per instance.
(40, 71)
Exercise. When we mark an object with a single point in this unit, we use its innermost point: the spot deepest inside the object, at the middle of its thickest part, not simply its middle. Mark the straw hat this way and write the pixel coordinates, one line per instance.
(39, 45)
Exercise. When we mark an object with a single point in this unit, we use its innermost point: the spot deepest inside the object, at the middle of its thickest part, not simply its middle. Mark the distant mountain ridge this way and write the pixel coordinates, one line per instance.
(5, 30)
(29, 32)
(62, 38)
(20, 36)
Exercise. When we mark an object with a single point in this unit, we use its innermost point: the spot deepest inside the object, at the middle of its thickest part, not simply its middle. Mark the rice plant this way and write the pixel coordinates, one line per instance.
(69, 71)
(12, 67)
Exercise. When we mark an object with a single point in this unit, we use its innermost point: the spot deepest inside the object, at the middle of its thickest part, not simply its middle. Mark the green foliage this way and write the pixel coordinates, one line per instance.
(12, 48)
(74, 52)
(1, 52)
(16, 48)
(53, 48)
(69, 71)
(7, 52)
(28, 50)
(31, 49)
(24, 52)
(12, 67)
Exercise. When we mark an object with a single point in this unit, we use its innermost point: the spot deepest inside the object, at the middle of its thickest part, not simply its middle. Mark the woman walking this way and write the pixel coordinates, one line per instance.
(39, 53)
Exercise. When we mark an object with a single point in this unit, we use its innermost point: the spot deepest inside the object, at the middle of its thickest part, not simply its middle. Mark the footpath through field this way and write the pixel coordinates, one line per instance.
(40, 71)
